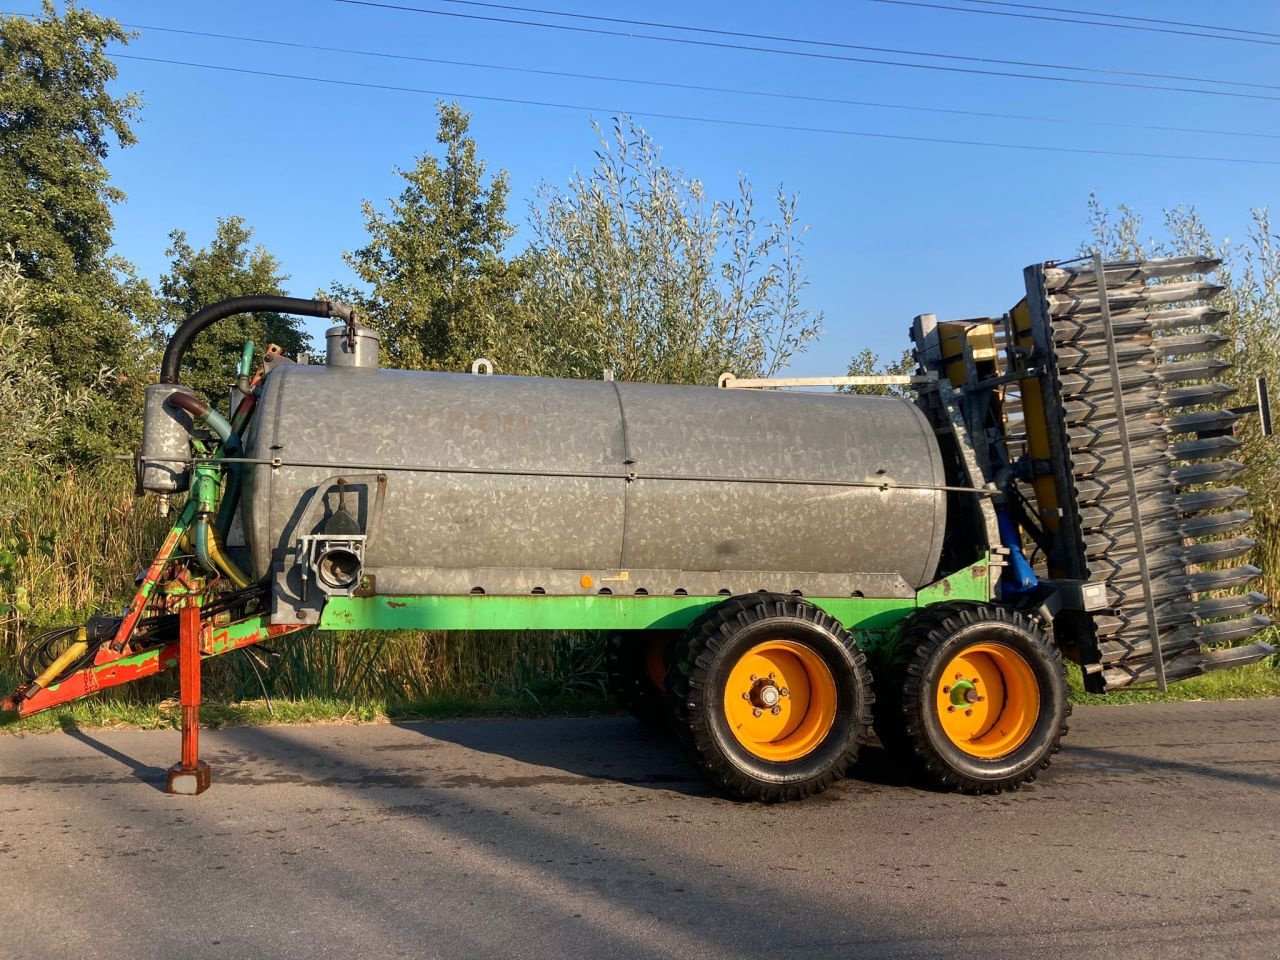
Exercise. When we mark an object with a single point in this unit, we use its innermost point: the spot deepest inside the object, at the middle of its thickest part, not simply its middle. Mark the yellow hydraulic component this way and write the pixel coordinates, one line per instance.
(69, 656)
(988, 700)
(1036, 426)
(228, 567)
(780, 700)
(981, 336)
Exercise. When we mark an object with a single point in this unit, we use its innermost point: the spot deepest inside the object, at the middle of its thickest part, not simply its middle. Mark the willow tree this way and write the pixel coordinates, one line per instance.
(633, 267)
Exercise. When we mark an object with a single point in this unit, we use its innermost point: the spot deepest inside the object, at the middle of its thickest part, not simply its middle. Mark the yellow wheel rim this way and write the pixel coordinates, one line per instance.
(988, 700)
(780, 700)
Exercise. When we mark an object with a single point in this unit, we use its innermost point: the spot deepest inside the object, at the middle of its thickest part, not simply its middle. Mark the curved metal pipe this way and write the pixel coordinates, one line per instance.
(211, 314)
(216, 422)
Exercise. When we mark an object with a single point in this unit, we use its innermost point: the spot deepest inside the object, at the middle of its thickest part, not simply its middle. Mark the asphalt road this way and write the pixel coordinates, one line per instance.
(1156, 834)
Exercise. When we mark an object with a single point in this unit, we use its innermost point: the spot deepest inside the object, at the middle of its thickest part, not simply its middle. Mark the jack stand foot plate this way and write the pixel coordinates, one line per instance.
(188, 781)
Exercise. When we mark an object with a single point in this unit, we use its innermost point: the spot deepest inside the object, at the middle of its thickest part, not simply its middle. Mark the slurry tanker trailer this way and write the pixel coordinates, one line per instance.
(777, 570)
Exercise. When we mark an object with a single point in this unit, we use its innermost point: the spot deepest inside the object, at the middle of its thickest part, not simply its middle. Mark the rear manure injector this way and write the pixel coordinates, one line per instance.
(776, 570)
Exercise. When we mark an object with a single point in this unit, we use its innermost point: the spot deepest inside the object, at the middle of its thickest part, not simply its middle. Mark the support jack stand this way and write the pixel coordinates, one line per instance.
(191, 776)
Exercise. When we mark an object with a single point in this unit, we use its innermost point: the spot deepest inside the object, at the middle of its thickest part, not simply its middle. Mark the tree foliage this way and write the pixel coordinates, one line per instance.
(34, 404)
(228, 267)
(58, 121)
(633, 267)
(436, 284)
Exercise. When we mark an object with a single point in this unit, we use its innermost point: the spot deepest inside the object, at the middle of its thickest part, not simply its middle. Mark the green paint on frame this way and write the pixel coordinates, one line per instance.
(610, 612)
(590, 612)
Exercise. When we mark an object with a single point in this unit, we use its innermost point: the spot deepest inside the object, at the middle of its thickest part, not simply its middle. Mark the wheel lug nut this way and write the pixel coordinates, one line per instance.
(755, 712)
(784, 692)
(951, 709)
(980, 699)
(746, 696)
(776, 710)
(947, 688)
(754, 678)
(968, 713)
(773, 676)
(959, 676)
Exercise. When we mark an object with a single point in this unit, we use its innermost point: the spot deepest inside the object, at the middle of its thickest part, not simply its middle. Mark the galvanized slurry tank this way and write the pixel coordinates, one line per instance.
(516, 485)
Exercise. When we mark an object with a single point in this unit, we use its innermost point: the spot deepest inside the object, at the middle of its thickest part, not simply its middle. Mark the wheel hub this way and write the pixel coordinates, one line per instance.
(780, 700)
(990, 700)
(765, 694)
(965, 692)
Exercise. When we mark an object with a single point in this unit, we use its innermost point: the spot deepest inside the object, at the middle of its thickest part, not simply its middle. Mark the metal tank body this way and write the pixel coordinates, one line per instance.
(519, 485)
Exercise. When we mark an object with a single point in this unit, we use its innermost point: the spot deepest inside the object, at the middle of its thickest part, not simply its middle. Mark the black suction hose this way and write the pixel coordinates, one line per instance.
(183, 336)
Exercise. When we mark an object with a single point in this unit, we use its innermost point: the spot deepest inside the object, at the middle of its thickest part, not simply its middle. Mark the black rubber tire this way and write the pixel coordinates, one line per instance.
(889, 660)
(629, 680)
(700, 666)
(909, 667)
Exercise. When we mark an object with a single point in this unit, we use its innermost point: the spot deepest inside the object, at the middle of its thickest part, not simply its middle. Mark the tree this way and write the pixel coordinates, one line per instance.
(58, 121)
(34, 404)
(632, 267)
(228, 267)
(437, 286)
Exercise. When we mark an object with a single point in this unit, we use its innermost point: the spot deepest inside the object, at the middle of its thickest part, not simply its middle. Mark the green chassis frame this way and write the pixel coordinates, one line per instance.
(614, 613)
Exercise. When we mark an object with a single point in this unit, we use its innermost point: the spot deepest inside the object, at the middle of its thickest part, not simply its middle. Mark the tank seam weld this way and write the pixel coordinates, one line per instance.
(628, 463)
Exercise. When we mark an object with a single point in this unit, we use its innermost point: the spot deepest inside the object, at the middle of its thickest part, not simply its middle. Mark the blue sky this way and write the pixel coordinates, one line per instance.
(896, 228)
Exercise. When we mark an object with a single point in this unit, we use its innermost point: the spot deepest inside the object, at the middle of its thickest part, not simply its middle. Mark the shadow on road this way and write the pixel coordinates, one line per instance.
(1264, 781)
(152, 776)
(616, 749)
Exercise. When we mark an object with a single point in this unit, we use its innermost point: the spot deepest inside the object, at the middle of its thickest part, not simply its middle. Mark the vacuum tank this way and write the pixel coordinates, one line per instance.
(518, 485)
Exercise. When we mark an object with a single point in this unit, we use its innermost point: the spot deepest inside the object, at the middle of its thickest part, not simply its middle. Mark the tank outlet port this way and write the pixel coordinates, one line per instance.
(334, 564)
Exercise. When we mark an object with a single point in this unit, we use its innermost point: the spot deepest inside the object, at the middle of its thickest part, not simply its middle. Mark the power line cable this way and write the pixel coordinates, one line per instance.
(1121, 16)
(849, 59)
(1090, 23)
(752, 124)
(491, 4)
(668, 84)
(802, 41)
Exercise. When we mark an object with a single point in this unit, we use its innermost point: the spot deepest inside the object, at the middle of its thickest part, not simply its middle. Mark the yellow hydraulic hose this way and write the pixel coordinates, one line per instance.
(69, 656)
(217, 553)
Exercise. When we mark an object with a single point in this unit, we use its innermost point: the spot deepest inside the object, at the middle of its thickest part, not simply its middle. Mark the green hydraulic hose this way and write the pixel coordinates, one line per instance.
(221, 426)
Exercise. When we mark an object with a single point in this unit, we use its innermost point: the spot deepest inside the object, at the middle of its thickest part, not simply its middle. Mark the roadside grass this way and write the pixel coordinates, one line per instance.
(107, 713)
(1252, 682)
